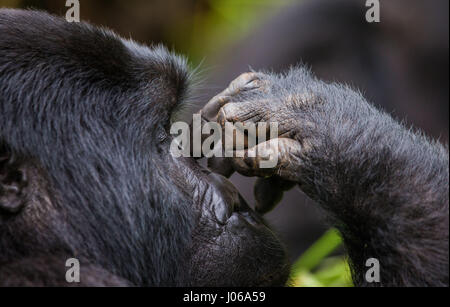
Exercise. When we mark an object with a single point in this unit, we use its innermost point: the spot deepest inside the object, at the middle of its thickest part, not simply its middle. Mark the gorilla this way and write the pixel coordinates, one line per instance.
(86, 171)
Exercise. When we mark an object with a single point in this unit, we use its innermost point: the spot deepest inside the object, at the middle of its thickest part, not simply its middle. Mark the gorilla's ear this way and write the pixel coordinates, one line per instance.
(13, 183)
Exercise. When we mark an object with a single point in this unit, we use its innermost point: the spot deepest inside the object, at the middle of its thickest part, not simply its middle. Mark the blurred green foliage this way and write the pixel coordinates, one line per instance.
(196, 28)
(224, 22)
(315, 268)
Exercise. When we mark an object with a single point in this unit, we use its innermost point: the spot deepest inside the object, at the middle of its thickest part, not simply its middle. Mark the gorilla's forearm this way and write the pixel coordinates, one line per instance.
(385, 186)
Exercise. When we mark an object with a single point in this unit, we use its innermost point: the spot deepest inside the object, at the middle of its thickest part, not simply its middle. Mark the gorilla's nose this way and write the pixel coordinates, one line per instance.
(226, 198)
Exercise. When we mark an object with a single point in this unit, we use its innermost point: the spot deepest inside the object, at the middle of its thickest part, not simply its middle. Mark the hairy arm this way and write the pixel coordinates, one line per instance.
(385, 186)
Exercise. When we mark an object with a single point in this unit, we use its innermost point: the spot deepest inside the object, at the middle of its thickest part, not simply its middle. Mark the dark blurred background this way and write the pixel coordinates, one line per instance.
(400, 64)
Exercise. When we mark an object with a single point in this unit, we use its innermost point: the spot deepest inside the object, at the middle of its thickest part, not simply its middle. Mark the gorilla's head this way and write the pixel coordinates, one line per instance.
(86, 172)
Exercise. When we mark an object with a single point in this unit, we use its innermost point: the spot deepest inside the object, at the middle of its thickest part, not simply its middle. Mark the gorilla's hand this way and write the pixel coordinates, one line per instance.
(376, 178)
(258, 97)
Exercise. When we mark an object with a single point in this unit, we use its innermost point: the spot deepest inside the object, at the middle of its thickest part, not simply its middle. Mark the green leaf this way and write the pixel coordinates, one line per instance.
(323, 247)
(314, 269)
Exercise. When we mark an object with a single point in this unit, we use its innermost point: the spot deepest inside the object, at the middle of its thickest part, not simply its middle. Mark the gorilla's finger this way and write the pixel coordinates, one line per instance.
(246, 81)
(243, 112)
(249, 115)
(211, 109)
(244, 119)
(269, 192)
(280, 156)
(222, 166)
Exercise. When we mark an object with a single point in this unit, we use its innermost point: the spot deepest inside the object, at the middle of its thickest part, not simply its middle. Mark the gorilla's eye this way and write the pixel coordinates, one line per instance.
(162, 136)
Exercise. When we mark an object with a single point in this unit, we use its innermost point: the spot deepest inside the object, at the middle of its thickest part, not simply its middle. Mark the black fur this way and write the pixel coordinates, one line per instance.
(85, 106)
(386, 186)
(88, 114)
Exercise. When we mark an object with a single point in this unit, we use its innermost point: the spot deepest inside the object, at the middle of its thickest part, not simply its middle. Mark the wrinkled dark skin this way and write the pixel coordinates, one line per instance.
(384, 186)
